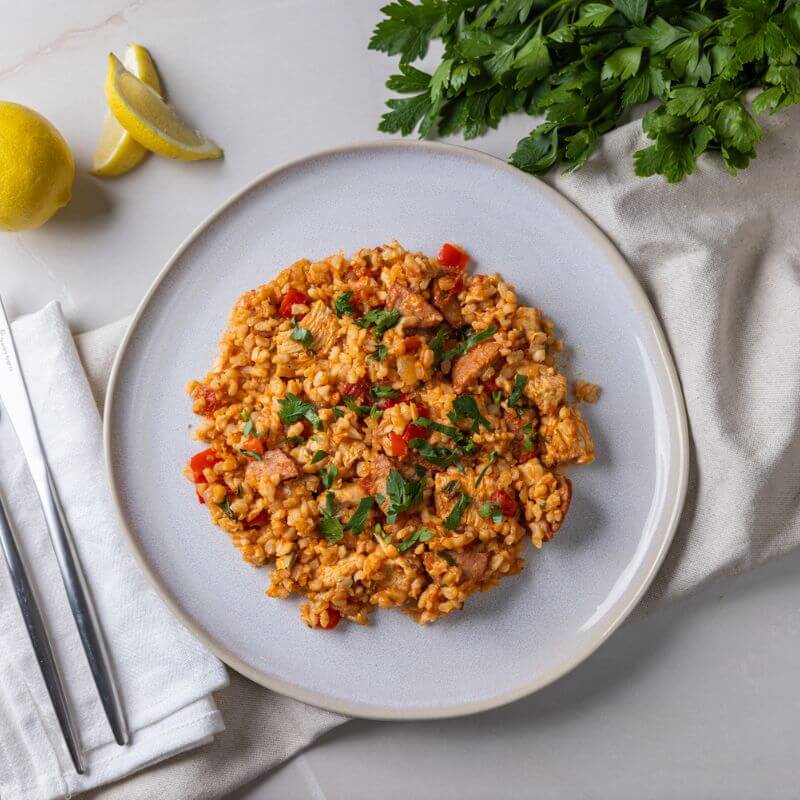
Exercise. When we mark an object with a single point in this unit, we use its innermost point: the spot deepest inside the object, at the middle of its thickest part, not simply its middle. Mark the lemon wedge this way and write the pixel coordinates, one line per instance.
(149, 120)
(117, 151)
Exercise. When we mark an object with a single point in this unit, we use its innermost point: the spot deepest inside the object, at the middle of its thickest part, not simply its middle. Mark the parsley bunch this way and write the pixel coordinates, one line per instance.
(583, 65)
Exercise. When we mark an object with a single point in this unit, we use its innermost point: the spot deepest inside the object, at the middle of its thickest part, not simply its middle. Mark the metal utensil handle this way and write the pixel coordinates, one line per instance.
(83, 610)
(37, 633)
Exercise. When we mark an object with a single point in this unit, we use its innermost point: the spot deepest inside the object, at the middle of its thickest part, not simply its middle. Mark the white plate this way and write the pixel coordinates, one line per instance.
(572, 594)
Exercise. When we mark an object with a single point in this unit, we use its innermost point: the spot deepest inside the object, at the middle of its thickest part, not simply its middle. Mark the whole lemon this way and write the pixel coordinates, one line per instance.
(36, 169)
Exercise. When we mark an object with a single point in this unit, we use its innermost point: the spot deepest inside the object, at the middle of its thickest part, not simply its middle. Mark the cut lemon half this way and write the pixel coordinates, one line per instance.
(149, 120)
(117, 151)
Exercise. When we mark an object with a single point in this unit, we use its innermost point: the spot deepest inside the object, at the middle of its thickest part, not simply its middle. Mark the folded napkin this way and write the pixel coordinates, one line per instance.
(165, 677)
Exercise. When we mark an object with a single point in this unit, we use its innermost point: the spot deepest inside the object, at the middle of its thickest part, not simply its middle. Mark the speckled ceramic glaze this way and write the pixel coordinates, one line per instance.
(572, 594)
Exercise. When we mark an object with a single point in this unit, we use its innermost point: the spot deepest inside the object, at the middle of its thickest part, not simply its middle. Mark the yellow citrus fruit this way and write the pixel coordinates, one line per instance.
(36, 169)
(117, 151)
(153, 123)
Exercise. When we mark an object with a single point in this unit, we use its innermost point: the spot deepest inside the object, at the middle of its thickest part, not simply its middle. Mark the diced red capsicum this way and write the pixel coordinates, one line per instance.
(258, 521)
(452, 257)
(358, 391)
(506, 503)
(211, 401)
(205, 459)
(333, 620)
(458, 286)
(293, 297)
(254, 445)
(388, 402)
(398, 445)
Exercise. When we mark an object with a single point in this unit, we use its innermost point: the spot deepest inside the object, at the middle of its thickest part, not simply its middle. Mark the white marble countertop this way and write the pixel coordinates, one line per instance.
(698, 701)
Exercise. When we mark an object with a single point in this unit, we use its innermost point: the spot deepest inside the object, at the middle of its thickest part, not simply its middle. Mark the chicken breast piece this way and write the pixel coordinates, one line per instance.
(545, 387)
(417, 311)
(292, 357)
(276, 466)
(471, 365)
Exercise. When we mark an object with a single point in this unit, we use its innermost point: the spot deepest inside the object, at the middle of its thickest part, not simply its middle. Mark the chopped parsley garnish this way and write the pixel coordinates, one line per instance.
(381, 351)
(248, 428)
(302, 335)
(293, 409)
(419, 535)
(342, 304)
(420, 470)
(402, 494)
(516, 393)
(245, 415)
(462, 348)
(436, 454)
(436, 343)
(356, 523)
(451, 487)
(353, 406)
(318, 456)
(491, 510)
(448, 557)
(295, 440)
(329, 475)
(384, 392)
(492, 459)
(530, 437)
(329, 525)
(225, 505)
(337, 412)
(497, 397)
(251, 454)
(466, 407)
(454, 517)
(381, 319)
(375, 413)
(384, 537)
(446, 430)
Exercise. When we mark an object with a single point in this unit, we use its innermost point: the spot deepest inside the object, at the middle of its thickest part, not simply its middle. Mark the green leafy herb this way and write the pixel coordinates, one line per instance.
(446, 430)
(381, 535)
(381, 319)
(248, 428)
(251, 454)
(492, 510)
(520, 381)
(381, 351)
(342, 304)
(419, 535)
(497, 398)
(454, 517)
(492, 459)
(245, 415)
(295, 440)
(318, 456)
(329, 525)
(435, 454)
(451, 487)
(466, 407)
(293, 409)
(448, 557)
(225, 505)
(337, 412)
(329, 475)
(383, 392)
(469, 342)
(302, 335)
(584, 65)
(403, 494)
(436, 343)
(375, 412)
(356, 523)
(529, 442)
(353, 406)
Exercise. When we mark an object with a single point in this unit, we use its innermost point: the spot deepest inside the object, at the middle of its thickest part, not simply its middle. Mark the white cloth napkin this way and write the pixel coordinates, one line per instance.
(166, 678)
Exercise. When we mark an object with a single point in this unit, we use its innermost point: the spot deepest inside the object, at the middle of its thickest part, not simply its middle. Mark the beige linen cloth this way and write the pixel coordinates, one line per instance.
(719, 257)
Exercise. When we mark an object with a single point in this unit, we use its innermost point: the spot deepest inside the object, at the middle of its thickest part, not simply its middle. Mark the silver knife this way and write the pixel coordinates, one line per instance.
(15, 398)
(37, 632)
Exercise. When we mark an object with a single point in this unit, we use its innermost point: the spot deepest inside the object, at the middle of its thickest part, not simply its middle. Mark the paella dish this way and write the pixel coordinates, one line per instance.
(387, 430)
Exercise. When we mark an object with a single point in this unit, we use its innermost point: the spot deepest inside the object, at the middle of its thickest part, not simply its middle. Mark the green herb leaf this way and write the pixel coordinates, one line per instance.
(225, 505)
(382, 536)
(245, 414)
(381, 351)
(492, 510)
(248, 427)
(420, 535)
(329, 525)
(448, 557)
(356, 523)
(438, 455)
(342, 304)
(381, 319)
(436, 343)
(337, 412)
(293, 409)
(251, 454)
(466, 407)
(329, 475)
(302, 335)
(446, 430)
(383, 392)
(464, 347)
(492, 458)
(403, 494)
(520, 382)
(318, 456)
(454, 517)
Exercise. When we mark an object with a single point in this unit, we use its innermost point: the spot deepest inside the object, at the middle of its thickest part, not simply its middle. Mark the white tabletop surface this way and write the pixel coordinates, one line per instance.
(699, 701)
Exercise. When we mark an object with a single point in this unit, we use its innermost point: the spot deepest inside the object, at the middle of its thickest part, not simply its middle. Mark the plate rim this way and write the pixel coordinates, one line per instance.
(673, 402)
